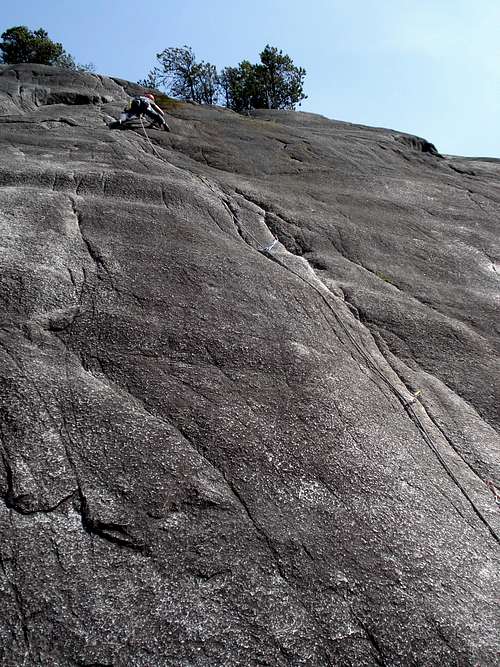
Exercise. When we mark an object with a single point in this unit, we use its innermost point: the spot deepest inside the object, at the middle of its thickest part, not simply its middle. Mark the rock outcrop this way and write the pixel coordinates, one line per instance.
(249, 388)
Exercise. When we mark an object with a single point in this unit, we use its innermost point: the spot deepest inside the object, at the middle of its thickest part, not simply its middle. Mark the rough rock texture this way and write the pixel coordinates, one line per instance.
(211, 451)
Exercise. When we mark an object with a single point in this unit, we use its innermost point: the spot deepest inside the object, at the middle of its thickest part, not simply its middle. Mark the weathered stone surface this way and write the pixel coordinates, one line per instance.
(211, 453)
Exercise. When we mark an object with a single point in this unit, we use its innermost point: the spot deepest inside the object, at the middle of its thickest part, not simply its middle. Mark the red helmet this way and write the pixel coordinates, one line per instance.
(150, 96)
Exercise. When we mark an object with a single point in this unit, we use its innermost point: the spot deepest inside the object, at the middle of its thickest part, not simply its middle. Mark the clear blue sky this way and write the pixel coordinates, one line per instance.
(428, 67)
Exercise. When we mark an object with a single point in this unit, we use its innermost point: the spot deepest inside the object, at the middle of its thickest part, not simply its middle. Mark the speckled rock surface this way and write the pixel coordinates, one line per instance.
(211, 448)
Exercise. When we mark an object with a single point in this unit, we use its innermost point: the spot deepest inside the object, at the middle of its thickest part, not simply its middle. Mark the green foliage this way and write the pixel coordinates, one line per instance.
(151, 81)
(166, 102)
(66, 61)
(383, 277)
(21, 45)
(274, 83)
(207, 87)
(183, 77)
(281, 82)
(240, 86)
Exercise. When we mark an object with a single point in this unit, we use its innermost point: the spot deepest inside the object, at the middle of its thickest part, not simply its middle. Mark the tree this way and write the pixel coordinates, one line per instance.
(178, 72)
(151, 81)
(208, 84)
(231, 86)
(240, 87)
(21, 45)
(281, 81)
(66, 61)
(183, 77)
(275, 83)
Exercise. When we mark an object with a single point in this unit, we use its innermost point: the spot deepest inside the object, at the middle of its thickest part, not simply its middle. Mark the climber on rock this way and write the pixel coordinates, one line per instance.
(144, 105)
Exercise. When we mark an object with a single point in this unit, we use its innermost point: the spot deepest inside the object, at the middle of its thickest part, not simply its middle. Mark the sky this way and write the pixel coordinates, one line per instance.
(426, 67)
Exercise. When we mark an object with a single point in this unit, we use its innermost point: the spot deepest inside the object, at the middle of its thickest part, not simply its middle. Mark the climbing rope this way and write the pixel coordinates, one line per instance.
(149, 140)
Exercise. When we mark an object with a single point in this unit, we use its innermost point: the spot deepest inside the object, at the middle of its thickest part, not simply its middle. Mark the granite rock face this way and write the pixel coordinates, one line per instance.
(249, 388)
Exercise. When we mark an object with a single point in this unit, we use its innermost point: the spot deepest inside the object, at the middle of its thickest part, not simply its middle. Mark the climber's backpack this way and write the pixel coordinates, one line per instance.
(138, 105)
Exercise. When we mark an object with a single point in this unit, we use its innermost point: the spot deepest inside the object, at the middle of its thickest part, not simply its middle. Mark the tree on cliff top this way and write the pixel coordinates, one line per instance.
(281, 82)
(21, 45)
(183, 77)
(274, 83)
(241, 87)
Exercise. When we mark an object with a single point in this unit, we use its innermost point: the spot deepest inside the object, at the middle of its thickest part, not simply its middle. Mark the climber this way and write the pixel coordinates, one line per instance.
(144, 105)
